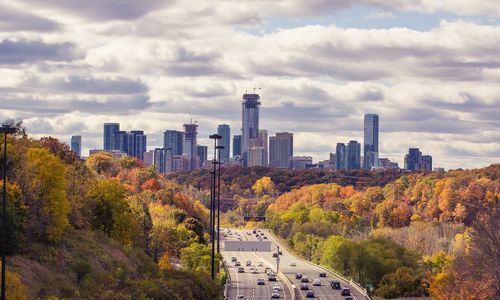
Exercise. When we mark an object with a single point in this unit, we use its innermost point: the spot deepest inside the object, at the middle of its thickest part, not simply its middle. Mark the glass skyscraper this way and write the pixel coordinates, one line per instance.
(225, 131)
(340, 157)
(139, 143)
(370, 146)
(353, 155)
(110, 130)
(190, 145)
(250, 123)
(237, 145)
(76, 145)
(173, 140)
(281, 150)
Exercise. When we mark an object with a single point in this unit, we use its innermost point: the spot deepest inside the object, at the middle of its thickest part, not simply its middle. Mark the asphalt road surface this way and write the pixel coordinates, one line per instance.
(246, 284)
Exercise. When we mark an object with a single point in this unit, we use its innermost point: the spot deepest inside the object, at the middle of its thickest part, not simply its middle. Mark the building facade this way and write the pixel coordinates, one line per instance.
(340, 157)
(250, 123)
(225, 132)
(76, 145)
(281, 150)
(264, 139)
(353, 155)
(160, 162)
(191, 145)
(173, 140)
(202, 154)
(237, 146)
(300, 162)
(139, 143)
(110, 130)
(412, 159)
(370, 147)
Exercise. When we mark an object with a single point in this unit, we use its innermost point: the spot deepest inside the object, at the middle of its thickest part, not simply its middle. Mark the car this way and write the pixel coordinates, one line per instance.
(298, 275)
(237, 264)
(249, 263)
(248, 233)
(260, 264)
(262, 233)
(322, 274)
(234, 258)
(271, 277)
(310, 294)
(261, 281)
(255, 271)
(267, 270)
(275, 294)
(280, 252)
(292, 264)
(240, 297)
(265, 237)
(304, 279)
(304, 286)
(335, 285)
(345, 292)
(348, 298)
(241, 270)
(276, 287)
(317, 282)
(275, 254)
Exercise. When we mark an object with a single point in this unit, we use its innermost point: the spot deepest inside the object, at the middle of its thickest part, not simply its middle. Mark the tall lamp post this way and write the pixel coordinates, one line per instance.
(5, 129)
(215, 137)
(218, 198)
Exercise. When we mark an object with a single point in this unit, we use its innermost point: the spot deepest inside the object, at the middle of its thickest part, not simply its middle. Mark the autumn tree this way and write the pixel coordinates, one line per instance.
(16, 218)
(102, 163)
(264, 185)
(62, 151)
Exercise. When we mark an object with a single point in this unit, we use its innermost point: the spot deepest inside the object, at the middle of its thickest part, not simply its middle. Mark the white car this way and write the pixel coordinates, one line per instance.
(292, 264)
(317, 282)
(260, 264)
(276, 287)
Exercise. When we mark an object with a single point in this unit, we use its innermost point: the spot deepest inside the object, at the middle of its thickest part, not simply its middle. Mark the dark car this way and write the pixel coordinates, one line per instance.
(335, 285)
(237, 264)
(261, 281)
(275, 254)
(241, 270)
(322, 274)
(304, 286)
(280, 252)
(345, 292)
(298, 275)
(304, 279)
(348, 298)
(310, 294)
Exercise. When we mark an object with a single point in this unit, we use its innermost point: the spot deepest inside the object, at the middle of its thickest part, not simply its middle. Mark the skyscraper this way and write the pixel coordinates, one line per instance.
(173, 139)
(415, 161)
(110, 129)
(426, 163)
(225, 141)
(250, 123)
(340, 157)
(281, 150)
(370, 153)
(263, 137)
(139, 143)
(121, 141)
(76, 145)
(353, 155)
(159, 159)
(190, 145)
(237, 145)
(203, 154)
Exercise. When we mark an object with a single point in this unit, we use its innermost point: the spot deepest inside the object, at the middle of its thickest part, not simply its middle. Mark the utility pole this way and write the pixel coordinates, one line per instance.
(215, 137)
(218, 200)
(278, 261)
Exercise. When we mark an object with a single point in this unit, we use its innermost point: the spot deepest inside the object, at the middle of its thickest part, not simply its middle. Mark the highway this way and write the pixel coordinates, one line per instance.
(246, 283)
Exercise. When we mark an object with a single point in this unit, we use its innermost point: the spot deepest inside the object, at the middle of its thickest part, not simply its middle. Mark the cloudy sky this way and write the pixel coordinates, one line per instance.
(430, 69)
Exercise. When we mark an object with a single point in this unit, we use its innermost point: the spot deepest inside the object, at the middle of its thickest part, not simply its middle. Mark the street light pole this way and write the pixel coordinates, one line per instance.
(4, 129)
(218, 200)
(215, 137)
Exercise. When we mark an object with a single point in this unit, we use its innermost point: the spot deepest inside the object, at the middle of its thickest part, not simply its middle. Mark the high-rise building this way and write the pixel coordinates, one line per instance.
(250, 123)
(224, 131)
(76, 145)
(370, 153)
(256, 156)
(173, 140)
(300, 162)
(353, 155)
(110, 130)
(160, 162)
(426, 163)
(237, 145)
(121, 141)
(203, 154)
(149, 157)
(281, 150)
(412, 159)
(139, 143)
(263, 137)
(340, 157)
(190, 147)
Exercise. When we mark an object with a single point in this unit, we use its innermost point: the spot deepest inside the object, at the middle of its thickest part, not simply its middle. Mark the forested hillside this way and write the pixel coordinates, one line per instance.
(107, 228)
(421, 234)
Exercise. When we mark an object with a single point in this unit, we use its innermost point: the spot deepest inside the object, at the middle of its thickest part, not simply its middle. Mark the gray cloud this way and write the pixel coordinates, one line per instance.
(20, 51)
(13, 20)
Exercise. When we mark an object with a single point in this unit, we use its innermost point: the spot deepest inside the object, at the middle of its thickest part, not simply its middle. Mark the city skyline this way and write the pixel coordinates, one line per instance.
(428, 69)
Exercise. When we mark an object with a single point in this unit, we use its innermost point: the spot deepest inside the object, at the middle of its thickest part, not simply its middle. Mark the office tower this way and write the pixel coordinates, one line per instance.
(149, 157)
(190, 147)
(412, 159)
(76, 145)
(173, 140)
(281, 150)
(110, 129)
(224, 131)
(138, 140)
(426, 163)
(370, 153)
(160, 159)
(121, 141)
(300, 162)
(237, 145)
(340, 157)
(203, 154)
(168, 160)
(263, 137)
(180, 163)
(353, 155)
(256, 156)
(250, 123)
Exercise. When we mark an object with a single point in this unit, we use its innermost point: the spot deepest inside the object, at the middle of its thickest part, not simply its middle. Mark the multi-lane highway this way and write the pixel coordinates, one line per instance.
(246, 284)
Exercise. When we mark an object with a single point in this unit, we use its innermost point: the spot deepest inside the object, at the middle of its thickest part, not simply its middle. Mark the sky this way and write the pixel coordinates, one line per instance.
(430, 69)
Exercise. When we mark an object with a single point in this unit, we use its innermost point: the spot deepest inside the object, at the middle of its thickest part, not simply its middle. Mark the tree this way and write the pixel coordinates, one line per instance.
(14, 289)
(81, 269)
(16, 218)
(45, 197)
(404, 282)
(110, 212)
(264, 185)
(102, 163)
(62, 151)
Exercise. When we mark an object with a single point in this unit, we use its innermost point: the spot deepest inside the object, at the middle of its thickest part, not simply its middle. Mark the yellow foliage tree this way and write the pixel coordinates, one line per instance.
(264, 185)
(14, 289)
